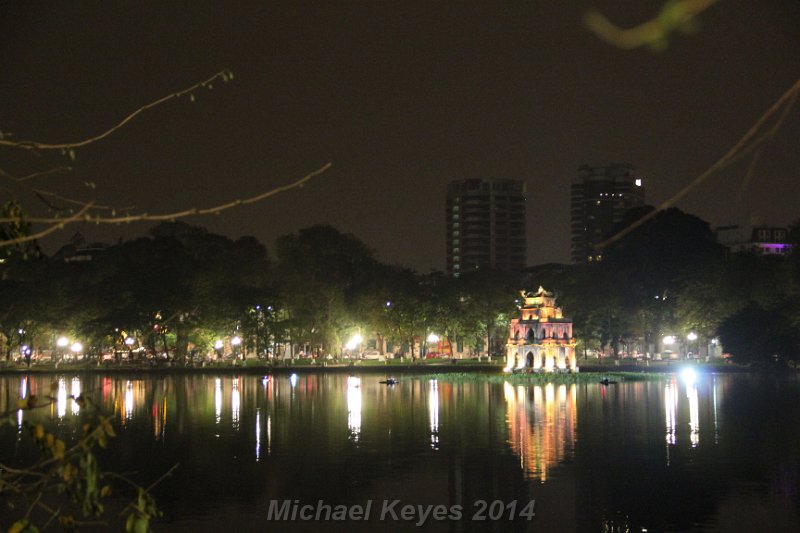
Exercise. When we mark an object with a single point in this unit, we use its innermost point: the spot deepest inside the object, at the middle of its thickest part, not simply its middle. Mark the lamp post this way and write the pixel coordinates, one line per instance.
(235, 342)
(354, 342)
(218, 348)
(691, 337)
(129, 341)
(433, 338)
(669, 340)
(76, 348)
(61, 343)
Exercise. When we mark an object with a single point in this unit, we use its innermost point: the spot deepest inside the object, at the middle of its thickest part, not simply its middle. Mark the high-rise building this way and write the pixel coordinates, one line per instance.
(486, 225)
(600, 196)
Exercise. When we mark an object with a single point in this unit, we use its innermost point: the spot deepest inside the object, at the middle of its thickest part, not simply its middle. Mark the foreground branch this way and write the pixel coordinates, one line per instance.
(224, 75)
(83, 216)
(674, 15)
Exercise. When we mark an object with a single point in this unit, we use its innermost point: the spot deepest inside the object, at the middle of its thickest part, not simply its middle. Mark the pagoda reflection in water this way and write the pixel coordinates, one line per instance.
(541, 425)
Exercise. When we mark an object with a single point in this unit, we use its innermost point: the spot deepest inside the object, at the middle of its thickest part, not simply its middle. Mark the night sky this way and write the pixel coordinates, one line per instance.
(402, 98)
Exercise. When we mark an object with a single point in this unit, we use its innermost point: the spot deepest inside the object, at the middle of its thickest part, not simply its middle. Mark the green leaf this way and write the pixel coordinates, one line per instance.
(142, 525)
(129, 523)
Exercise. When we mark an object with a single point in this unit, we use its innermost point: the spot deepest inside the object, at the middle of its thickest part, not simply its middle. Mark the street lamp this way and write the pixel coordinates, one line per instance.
(433, 338)
(354, 341)
(235, 342)
(61, 344)
(129, 341)
(691, 337)
(76, 348)
(218, 348)
(669, 340)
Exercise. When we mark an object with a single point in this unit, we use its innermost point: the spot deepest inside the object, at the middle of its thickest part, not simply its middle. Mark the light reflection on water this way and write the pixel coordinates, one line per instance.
(354, 406)
(549, 431)
(541, 425)
(433, 412)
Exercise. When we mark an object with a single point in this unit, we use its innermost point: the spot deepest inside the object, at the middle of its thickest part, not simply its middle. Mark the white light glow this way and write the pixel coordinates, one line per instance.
(235, 405)
(433, 337)
(433, 412)
(692, 336)
(670, 408)
(218, 400)
(236, 341)
(669, 340)
(354, 341)
(354, 406)
(61, 398)
(76, 347)
(689, 376)
(128, 400)
(218, 345)
(75, 392)
(62, 342)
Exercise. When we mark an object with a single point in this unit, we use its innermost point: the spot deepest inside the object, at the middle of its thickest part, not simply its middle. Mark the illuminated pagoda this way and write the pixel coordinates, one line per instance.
(540, 340)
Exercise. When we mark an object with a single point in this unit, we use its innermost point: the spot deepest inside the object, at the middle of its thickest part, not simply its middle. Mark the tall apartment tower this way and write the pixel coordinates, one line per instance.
(486, 225)
(600, 196)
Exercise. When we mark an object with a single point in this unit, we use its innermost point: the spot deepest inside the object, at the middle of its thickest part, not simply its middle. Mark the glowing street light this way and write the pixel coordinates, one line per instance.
(76, 347)
(62, 342)
(691, 337)
(129, 341)
(669, 340)
(235, 342)
(433, 337)
(354, 341)
(218, 345)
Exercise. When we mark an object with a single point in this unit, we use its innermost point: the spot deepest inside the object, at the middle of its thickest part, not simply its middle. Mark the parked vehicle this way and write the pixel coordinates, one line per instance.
(373, 355)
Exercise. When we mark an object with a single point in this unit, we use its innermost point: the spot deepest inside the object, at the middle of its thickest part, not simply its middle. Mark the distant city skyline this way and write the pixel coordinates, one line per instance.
(402, 99)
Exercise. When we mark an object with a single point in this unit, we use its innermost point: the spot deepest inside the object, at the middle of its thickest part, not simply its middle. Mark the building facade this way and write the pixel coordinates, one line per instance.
(540, 340)
(599, 197)
(486, 225)
(754, 238)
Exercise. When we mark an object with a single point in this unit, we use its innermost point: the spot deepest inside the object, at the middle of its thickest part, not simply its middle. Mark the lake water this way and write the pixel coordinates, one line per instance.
(719, 454)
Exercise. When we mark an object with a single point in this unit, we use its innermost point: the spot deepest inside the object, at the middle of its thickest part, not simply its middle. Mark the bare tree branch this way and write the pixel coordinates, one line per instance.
(81, 203)
(55, 170)
(224, 75)
(82, 216)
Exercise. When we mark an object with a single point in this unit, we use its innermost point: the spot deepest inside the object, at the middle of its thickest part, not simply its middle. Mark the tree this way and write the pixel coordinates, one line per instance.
(322, 271)
(760, 337)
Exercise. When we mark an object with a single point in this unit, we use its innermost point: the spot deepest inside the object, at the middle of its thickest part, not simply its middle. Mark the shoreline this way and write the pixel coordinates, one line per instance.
(409, 368)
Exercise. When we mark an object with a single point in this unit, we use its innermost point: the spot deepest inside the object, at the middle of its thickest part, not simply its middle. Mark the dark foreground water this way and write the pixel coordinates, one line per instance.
(722, 454)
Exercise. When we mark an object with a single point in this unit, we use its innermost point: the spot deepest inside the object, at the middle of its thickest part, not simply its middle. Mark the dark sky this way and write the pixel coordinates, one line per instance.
(402, 97)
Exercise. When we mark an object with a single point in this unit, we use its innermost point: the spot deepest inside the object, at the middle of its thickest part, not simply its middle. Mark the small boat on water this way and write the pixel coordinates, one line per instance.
(606, 381)
(390, 381)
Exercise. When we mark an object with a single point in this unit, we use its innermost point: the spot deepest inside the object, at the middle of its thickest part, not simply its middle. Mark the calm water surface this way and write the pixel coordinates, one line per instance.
(722, 454)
